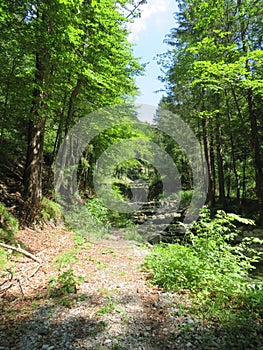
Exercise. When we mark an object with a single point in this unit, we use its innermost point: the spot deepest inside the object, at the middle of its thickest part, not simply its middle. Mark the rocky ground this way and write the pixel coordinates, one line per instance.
(113, 307)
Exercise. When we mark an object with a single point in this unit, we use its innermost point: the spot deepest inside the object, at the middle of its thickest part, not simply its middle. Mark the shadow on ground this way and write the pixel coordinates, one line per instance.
(132, 324)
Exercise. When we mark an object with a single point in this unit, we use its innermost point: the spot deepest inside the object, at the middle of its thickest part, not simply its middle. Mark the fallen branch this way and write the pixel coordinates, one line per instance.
(10, 280)
(34, 272)
(20, 287)
(22, 251)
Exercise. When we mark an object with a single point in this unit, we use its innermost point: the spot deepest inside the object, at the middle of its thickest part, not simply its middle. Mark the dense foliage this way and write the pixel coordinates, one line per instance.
(60, 60)
(211, 267)
(213, 76)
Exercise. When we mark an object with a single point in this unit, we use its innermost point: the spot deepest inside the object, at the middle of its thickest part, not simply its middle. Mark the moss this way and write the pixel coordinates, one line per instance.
(8, 225)
(51, 210)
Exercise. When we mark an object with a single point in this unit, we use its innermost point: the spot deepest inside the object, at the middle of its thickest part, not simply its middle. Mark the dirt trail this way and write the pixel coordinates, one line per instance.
(113, 307)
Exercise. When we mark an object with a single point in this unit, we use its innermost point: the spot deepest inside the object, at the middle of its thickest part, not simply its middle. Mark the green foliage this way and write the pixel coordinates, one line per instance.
(51, 210)
(97, 210)
(90, 221)
(109, 307)
(64, 284)
(131, 234)
(80, 242)
(213, 76)
(185, 198)
(211, 266)
(8, 225)
(65, 259)
(3, 259)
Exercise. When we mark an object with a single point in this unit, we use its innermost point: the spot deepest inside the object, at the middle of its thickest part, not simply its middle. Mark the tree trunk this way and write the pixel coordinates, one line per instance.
(256, 153)
(35, 144)
(220, 168)
(211, 184)
(33, 168)
(212, 157)
(244, 188)
(73, 96)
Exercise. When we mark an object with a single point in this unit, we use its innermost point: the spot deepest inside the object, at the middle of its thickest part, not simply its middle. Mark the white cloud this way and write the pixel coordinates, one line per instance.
(150, 13)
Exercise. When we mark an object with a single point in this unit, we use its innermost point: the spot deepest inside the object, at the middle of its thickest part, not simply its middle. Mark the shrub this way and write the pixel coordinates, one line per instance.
(65, 284)
(209, 264)
(89, 221)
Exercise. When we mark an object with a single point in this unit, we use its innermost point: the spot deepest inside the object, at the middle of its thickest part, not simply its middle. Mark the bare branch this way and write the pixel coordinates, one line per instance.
(22, 251)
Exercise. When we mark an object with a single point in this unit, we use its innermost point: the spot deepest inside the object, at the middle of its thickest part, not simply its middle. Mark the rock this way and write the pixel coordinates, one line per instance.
(46, 347)
(154, 238)
(189, 320)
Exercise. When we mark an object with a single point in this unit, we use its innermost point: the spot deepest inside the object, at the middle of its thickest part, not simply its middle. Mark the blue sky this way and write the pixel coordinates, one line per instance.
(148, 33)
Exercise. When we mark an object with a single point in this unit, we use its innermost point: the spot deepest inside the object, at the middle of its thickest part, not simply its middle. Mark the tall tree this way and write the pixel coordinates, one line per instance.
(214, 74)
(71, 57)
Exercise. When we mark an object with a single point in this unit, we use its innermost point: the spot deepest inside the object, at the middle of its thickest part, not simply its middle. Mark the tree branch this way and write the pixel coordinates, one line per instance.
(22, 251)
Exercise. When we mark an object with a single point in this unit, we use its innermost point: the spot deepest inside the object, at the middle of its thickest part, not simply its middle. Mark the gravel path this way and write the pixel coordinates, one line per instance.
(113, 308)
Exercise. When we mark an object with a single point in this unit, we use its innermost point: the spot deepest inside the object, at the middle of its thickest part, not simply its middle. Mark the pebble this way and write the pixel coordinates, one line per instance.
(46, 347)
(189, 320)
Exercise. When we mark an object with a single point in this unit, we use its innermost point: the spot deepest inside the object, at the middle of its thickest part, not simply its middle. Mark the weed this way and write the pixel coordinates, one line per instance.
(108, 308)
(64, 284)
(80, 242)
(65, 302)
(66, 259)
(101, 265)
(122, 273)
(90, 221)
(108, 251)
(3, 259)
(133, 235)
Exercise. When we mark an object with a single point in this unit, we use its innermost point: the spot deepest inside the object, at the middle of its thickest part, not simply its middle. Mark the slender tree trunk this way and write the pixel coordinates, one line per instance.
(233, 152)
(212, 157)
(220, 168)
(244, 189)
(72, 99)
(211, 188)
(35, 144)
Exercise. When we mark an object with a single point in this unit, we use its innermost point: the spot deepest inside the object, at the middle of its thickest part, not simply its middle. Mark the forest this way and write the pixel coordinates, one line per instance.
(77, 164)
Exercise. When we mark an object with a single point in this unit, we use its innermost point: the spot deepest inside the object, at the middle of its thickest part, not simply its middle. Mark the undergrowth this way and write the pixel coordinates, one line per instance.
(212, 268)
(51, 210)
(89, 221)
(8, 225)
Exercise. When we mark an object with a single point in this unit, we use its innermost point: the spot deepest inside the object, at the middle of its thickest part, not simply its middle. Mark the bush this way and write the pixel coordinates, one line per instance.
(64, 284)
(209, 265)
(89, 221)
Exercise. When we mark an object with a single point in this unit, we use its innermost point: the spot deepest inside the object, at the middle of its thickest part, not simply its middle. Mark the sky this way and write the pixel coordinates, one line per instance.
(148, 33)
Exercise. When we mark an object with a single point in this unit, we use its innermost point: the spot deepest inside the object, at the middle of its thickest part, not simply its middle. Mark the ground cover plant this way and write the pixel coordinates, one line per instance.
(212, 268)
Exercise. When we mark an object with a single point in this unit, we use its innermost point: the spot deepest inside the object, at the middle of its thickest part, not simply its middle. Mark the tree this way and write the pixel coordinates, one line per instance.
(213, 77)
(71, 58)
